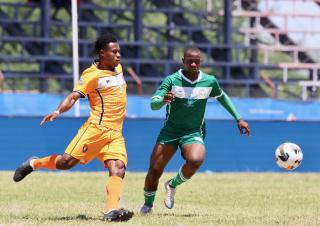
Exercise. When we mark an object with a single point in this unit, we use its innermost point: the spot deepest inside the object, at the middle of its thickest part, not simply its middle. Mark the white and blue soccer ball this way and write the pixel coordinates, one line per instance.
(288, 156)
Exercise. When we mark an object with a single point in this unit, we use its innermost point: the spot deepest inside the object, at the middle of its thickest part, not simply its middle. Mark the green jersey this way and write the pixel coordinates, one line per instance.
(186, 112)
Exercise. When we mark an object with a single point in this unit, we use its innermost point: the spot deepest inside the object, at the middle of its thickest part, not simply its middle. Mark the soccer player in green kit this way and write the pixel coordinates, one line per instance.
(186, 93)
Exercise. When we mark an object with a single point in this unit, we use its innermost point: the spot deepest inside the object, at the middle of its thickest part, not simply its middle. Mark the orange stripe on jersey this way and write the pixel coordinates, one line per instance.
(106, 91)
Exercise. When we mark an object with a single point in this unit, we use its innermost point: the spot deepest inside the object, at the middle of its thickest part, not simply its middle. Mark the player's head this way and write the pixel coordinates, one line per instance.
(108, 50)
(192, 59)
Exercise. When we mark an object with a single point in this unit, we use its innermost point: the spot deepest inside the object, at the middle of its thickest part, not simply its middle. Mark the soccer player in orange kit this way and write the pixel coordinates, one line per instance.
(101, 135)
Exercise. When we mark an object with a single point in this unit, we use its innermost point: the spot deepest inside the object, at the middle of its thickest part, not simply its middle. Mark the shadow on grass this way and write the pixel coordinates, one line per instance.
(65, 218)
(78, 217)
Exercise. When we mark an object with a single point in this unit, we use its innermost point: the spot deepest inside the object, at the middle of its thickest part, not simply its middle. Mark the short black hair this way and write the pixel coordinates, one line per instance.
(192, 49)
(103, 41)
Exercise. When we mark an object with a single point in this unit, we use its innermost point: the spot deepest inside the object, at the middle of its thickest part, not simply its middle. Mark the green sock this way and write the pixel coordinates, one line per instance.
(178, 179)
(149, 197)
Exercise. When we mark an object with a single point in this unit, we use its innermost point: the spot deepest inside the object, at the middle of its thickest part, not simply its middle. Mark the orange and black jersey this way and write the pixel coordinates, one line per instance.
(106, 91)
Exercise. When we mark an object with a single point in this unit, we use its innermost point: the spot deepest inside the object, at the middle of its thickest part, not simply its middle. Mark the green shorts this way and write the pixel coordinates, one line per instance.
(175, 139)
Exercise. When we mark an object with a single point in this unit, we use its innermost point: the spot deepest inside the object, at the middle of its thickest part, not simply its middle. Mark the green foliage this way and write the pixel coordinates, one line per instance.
(20, 67)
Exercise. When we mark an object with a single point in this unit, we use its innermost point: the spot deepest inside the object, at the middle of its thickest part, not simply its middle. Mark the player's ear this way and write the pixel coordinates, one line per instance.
(101, 53)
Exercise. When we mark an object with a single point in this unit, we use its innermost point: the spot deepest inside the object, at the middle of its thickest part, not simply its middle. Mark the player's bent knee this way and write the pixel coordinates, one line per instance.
(66, 163)
(154, 173)
(116, 168)
(119, 172)
(195, 162)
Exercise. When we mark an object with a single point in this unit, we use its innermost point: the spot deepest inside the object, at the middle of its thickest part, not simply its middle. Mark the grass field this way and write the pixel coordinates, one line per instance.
(236, 199)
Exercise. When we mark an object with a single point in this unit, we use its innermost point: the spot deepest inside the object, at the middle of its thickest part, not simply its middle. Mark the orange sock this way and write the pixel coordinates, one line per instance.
(48, 162)
(113, 189)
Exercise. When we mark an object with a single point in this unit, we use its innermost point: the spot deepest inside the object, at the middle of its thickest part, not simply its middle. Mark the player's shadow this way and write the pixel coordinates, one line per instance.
(78, 217)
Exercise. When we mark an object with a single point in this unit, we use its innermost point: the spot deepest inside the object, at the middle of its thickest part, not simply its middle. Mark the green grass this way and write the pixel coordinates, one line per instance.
(236, 199)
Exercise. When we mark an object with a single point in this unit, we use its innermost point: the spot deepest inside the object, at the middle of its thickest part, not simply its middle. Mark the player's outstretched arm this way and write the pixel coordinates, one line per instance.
(158, 101)
(226, 102)
(65, 105)
(243, 127)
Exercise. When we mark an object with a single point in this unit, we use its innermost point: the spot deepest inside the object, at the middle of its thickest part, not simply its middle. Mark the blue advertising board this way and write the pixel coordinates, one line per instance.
(226, 149)
(138, 107)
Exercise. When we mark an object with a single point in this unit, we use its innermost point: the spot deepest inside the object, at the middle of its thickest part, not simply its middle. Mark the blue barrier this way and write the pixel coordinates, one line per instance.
(138, 107)
(22, 137)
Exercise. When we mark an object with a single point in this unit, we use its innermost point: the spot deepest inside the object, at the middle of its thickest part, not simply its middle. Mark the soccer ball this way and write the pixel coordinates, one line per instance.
(288, 156)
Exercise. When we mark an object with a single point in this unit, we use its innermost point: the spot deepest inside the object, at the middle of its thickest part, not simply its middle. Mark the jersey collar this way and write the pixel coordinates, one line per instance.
(188, 80)
(95, 64)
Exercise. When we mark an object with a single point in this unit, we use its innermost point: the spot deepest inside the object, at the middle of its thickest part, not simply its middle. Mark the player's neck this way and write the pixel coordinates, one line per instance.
(191, 76)
(102, 66)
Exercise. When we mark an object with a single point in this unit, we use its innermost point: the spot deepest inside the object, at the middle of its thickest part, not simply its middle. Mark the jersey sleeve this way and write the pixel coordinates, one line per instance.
(157, 98)
(165, 87)
(216, 90)
(84, 85)
(224, 100)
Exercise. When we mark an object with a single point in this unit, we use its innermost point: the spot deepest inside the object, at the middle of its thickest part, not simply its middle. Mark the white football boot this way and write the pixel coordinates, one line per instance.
(169, 196)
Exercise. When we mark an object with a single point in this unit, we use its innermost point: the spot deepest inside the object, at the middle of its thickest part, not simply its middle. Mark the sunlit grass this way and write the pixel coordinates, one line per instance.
(215, 199)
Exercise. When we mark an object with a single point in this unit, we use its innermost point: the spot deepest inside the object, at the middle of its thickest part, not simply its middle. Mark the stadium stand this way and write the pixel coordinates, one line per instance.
(37, 49)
